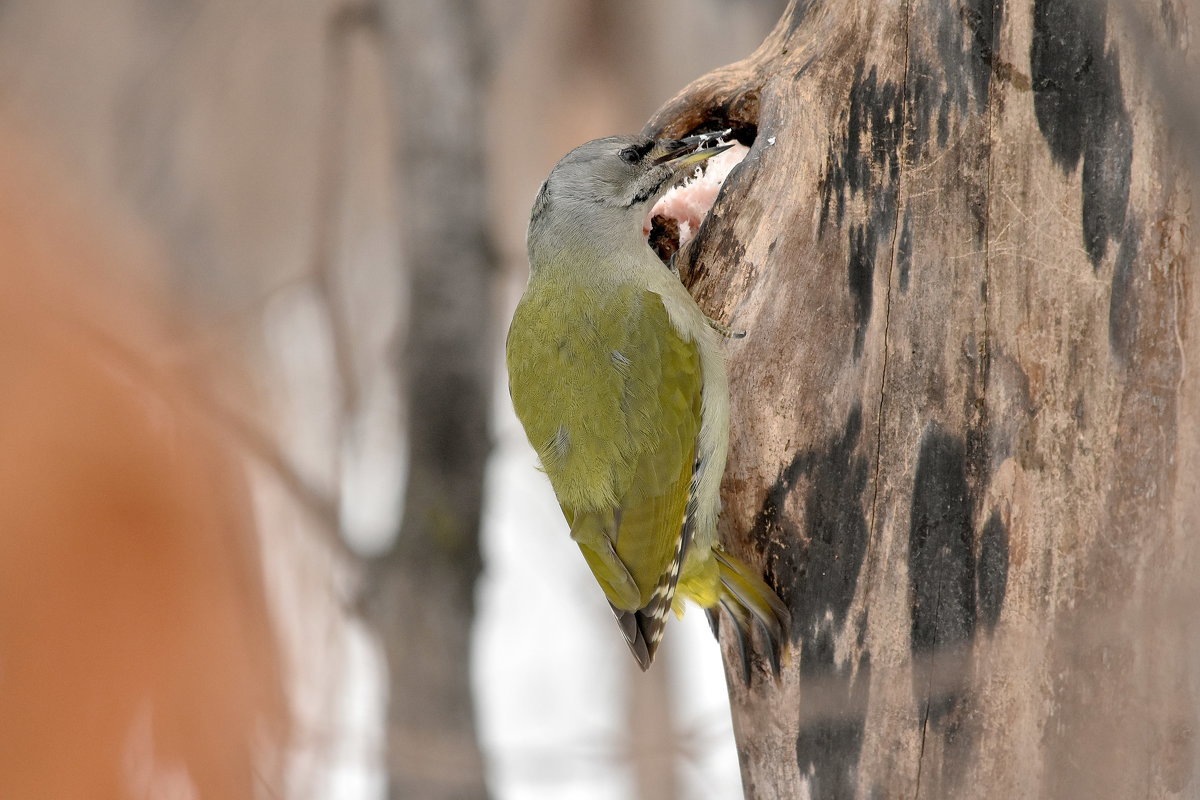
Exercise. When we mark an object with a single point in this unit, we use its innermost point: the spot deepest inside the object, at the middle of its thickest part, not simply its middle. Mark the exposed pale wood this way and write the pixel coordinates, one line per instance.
(965, 416)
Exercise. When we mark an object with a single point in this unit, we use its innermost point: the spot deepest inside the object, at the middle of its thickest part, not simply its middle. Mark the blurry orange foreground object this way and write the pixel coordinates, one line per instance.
(137, 659)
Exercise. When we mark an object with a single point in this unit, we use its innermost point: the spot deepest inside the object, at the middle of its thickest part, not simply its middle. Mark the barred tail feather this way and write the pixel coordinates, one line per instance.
(643, 628)
(631, 626)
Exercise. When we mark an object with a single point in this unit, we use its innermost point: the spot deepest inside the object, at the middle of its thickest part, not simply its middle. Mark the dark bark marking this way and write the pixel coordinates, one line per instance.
(947, 83)
(904, 250)
(835, 526)
(820, 574)
(991, 576)
(984, 19)
(861, 277)
(950, 80)
(941, 558)
(953, 587)
(943, 125)
(865, 161)
(1081, 112)
(924, 96)
(1068, 41)
(829, 744)
(947, 591)
(817, 572)
(980, 447)
(937, 86)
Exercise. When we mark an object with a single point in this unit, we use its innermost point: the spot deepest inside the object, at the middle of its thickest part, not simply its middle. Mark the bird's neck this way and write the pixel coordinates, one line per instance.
(580, 249)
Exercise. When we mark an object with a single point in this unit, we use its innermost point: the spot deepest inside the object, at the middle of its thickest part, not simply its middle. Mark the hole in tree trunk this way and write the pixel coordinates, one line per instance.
(676, 218)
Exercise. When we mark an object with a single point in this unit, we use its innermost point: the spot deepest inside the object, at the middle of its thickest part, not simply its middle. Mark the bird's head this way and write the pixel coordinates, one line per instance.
(614, 181)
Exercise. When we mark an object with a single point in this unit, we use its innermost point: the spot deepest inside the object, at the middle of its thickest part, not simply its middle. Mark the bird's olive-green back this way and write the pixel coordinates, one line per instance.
(610, 397)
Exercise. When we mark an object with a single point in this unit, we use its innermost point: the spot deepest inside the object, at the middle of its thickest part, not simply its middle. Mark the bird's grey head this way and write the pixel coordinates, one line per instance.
(615, 172)
(608, 185)
(625, 173)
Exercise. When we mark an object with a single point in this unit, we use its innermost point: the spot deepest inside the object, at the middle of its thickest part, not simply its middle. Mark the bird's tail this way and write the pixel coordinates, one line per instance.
(643, 628)
(750, 603)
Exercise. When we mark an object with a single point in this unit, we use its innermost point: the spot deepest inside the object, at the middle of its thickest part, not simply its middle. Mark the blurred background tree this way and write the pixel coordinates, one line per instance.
(338, 192)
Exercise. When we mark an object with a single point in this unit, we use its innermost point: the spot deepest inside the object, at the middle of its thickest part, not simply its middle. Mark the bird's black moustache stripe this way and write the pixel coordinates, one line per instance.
(645, 194)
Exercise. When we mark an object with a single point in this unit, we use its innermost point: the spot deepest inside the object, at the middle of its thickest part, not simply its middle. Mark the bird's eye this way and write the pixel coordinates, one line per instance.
(636, 152)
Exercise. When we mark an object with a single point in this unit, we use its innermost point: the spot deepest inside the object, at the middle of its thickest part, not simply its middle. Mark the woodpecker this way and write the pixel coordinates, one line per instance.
(619, 380)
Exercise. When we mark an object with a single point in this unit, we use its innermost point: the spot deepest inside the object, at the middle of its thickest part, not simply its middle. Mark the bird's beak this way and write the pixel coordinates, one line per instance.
(678, 153)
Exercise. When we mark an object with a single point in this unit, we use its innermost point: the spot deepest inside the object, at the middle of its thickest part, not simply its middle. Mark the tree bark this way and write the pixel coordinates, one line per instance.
(965, 418)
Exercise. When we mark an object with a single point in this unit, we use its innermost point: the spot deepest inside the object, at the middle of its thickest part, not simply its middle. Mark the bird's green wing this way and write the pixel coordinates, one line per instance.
(615, 418)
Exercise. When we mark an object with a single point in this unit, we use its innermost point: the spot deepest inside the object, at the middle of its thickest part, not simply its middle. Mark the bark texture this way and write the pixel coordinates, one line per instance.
(965, 418)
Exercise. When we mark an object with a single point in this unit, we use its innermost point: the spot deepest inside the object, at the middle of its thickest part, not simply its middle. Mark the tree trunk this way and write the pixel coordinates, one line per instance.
(965, 419)
(421, 592)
